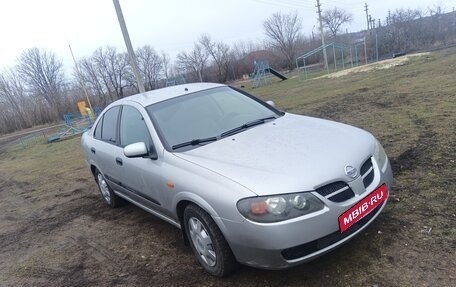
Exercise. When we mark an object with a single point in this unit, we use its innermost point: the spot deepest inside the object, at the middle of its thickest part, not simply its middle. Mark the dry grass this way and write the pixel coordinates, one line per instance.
(48, 196)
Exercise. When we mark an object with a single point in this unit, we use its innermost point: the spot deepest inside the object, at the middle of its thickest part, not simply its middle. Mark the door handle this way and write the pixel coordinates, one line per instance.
(119, 161)
(92, 149)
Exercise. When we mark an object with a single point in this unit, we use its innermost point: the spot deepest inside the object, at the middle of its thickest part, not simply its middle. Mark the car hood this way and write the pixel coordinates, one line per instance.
(290, 154)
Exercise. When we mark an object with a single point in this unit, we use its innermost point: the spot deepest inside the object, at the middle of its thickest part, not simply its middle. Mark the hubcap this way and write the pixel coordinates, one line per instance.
(202, 241)
(104, 188)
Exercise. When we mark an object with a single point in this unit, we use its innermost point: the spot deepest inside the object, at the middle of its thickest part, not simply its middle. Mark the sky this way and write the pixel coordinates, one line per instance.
(170, 25)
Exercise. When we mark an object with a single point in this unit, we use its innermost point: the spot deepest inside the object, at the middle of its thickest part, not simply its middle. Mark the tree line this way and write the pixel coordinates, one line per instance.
(36, 90)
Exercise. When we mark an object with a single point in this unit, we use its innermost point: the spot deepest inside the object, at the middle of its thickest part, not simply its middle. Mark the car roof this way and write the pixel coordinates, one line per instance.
(155, 96)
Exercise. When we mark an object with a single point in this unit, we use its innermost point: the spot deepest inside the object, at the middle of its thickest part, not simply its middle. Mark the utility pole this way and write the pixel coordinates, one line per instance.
(130, 50)
(368, 29)
(372, 22)
(313, 35)
(81, 79)
(454, 19)
(325, 56)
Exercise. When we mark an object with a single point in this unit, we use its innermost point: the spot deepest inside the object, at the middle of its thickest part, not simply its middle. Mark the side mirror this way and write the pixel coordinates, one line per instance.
(138, 149)
(271, 103)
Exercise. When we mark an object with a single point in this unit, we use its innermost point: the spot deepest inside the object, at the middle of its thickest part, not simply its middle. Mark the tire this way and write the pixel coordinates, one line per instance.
(208, 243)
(109, 197)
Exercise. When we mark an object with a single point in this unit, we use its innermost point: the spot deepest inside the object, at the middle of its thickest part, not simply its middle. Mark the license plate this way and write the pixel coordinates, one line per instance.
(362, 208)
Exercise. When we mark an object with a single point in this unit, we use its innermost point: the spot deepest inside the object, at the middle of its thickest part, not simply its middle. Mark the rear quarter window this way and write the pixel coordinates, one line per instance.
(97, 132)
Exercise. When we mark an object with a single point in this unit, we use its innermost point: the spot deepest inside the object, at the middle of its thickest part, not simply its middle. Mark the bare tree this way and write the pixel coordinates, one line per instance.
(283, 30)
(438, 23)
(404, 32)
(405, 15)
(243, 48)
(43, 74)
(166, 64)
(193, 61)
(334, 18)
(219, 52)
(99, 60)
(150, 66)
(105, 73)
(240, 61)
(13, 98)
(93, 79)
(436, 10)
(113, 69)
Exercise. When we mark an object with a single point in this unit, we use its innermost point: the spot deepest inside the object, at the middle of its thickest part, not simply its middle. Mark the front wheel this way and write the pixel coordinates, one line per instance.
(109, 197)
(208, 243)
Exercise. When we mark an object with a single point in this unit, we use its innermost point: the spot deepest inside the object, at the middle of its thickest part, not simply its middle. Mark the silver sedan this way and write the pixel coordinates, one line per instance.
(246, 182)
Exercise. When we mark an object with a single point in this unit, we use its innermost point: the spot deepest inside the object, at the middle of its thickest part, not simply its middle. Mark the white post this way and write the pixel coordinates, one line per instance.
(322, 37)
(130, 50)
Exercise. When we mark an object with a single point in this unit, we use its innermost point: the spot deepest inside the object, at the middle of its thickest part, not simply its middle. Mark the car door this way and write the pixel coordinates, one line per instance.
(105, 146)
(140, 176)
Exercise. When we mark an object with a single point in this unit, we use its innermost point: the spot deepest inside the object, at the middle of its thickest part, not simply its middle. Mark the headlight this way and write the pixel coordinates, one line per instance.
(276, 208)
(380, 154)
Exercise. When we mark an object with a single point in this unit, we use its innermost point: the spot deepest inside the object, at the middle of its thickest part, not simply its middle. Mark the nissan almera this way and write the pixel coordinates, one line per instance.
(246, 182)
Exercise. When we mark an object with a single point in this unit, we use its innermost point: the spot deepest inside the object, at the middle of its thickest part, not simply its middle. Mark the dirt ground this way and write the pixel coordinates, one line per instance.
(56, 231)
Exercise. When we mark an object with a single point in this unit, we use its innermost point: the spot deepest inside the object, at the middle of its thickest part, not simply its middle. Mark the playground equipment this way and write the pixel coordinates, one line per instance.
(75, 124)
(354, 54)
(262, 69)
(302, 62)
(360, 42)
(178, 80)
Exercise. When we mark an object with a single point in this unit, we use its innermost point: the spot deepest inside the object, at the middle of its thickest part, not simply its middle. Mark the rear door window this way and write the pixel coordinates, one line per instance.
(109, 127)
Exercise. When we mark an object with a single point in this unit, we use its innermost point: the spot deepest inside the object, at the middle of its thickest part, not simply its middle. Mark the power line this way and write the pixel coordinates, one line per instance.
(280, 4)
(344, 4)
(296, 2)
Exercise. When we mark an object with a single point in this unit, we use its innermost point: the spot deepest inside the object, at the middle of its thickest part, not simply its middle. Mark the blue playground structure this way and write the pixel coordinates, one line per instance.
(262, 70)
(74, 125)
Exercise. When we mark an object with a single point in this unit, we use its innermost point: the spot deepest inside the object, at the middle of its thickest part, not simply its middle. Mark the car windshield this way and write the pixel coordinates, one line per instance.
(206, 116)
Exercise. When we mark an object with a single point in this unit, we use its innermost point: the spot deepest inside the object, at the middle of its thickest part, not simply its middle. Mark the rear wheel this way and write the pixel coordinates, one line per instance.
(109, 197)
(208, 242)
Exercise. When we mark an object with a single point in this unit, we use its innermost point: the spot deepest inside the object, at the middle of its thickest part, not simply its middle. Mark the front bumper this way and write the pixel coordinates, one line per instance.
(285, 244)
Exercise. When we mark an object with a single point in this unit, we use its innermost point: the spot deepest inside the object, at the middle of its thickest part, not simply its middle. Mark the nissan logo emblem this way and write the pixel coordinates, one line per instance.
(351, 171)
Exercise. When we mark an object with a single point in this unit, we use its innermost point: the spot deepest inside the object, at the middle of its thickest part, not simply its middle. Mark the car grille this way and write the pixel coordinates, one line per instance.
(337, 191)
(367, 172)
(321, 243)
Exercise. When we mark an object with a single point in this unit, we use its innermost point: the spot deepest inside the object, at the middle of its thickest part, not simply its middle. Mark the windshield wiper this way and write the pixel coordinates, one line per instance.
(246, 126)
(194, 142)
